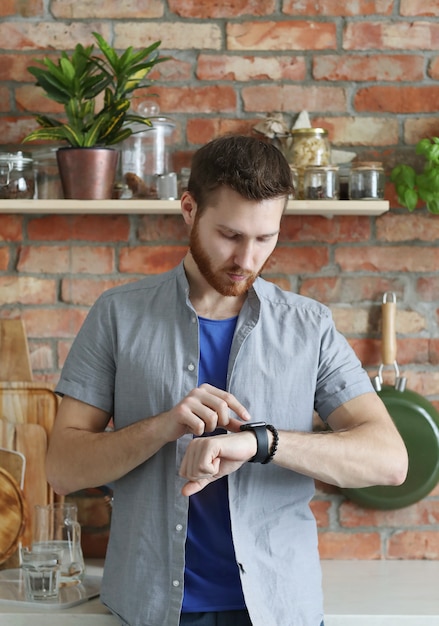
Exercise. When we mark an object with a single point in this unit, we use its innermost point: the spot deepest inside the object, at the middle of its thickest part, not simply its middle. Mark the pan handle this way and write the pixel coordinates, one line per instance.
(388, 343)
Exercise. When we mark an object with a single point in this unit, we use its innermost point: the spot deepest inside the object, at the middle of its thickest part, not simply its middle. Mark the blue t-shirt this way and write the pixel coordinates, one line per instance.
(212, 581)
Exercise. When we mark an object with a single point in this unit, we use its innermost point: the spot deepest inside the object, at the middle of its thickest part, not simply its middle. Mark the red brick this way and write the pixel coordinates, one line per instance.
(320, 509)
(418, 128)
(10, 227)
(349, 289)
(100, 228)
(399, 100)
(343, 9)
(395, 227)
(298, 259)
(268, 98)
(179, 35)
(4, 259)
(423, 513)
(85, 292)
(390, 259)
(13, 67)
(209, 99)
(433, 69)
(315, 228)
(150, 260)
(27, 8)
(62, 259)
(27, 290)
(110, 9)
(375, 68)
(413, 8)
(392, 35)
(62, 351)
(287, 35)
(426, 382)
(23, 35)
(5, 99)
(342, 545)
(14, 129)
(427, 288)
(201, 130)
(246, 68)
(205, 9)
(32, 99)
(61, 322)
(416, 544)
(162, 228)
(368, 351)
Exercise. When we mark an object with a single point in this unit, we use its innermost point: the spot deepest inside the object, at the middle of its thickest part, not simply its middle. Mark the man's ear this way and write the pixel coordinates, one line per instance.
(188, 208)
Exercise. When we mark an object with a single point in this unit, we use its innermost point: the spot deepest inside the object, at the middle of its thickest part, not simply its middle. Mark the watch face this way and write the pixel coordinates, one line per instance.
(253, 425)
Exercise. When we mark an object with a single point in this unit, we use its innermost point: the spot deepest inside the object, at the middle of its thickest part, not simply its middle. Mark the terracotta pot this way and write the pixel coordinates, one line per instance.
(87, 173)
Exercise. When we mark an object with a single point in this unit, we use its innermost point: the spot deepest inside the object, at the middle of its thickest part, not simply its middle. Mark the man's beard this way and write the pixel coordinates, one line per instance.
(218, 279)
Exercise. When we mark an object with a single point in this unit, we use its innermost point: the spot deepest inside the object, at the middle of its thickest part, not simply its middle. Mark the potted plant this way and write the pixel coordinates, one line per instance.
(411, 186)
(95, 92)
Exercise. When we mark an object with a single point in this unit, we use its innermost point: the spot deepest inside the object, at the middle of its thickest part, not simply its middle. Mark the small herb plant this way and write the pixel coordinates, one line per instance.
(80, 81)
(410, 186)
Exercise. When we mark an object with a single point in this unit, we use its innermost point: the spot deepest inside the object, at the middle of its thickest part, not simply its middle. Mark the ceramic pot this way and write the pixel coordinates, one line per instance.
(87, 173)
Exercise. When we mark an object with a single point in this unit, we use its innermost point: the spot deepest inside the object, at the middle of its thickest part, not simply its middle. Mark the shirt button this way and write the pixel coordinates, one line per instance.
(176, 583)
(191, 367)
(194, 320)
(179, 528)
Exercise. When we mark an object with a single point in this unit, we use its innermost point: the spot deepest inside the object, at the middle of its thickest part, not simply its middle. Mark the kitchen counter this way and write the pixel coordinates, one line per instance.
(357, 593)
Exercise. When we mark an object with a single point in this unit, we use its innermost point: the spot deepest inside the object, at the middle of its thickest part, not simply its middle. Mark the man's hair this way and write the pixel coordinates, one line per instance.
(254, 168)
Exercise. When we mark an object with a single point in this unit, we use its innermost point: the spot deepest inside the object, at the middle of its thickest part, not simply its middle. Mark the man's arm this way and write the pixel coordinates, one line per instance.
(364, 448)
(83, 454)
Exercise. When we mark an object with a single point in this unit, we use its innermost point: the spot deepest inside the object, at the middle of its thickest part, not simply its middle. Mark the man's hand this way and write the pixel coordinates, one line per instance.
(204, 409)
(209, 458)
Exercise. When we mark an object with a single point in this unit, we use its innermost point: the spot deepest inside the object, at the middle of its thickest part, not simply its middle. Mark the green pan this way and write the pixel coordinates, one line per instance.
(417, 421)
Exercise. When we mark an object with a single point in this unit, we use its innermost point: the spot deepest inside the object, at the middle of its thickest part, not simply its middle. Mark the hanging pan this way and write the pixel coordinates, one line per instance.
(417, 422)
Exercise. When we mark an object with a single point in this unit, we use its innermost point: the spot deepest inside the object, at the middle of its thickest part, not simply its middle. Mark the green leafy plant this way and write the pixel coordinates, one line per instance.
(81, 80)
(411, 186)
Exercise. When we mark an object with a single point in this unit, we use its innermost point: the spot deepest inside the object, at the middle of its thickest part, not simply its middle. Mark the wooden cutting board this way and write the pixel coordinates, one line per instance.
(13, 515)
(30, 402)
(31, 441)
(14, 351)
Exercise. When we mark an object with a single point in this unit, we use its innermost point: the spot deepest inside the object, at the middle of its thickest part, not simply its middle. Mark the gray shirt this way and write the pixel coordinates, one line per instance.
(135, 356)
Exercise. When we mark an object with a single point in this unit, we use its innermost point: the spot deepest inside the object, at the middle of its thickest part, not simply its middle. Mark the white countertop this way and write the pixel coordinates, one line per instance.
(357, 593)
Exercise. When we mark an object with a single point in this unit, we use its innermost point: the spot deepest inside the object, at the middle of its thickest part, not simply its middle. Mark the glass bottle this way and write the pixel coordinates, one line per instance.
(310, 146)
(320, 182)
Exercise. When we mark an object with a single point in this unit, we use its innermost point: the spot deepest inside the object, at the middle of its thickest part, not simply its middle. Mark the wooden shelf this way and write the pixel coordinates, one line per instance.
(327, 208)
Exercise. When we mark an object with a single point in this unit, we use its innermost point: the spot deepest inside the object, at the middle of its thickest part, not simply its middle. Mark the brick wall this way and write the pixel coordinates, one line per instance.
(367, 70)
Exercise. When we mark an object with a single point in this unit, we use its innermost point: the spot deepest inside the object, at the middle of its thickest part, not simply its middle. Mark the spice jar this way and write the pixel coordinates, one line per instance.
(366, 181)
(16, 176)
(310, 146)
(321, 182)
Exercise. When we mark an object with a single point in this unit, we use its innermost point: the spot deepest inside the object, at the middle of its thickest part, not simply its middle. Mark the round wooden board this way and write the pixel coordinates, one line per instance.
(12, 515)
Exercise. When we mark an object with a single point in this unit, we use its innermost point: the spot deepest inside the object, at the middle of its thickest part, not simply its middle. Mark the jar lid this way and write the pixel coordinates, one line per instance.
(16, 158)
(321, 168)
(367, 165)
(308, 131)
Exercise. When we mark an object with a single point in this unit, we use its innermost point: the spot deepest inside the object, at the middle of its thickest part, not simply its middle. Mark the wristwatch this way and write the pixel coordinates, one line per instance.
(260, 431)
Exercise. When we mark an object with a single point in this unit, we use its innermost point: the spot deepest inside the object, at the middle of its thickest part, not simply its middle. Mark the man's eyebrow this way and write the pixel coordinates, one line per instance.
(238, 232)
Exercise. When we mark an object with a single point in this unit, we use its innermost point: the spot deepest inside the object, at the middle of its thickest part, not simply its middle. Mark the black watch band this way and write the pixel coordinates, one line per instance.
(260, 431)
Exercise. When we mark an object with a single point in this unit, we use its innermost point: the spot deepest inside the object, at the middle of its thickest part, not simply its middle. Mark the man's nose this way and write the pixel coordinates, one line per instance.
(244, 255)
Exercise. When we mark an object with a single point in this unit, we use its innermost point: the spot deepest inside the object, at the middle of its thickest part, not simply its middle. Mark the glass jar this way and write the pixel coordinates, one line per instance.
(16, 176)
(309, 146)
(366, 181)
(147, 153)
(321, 182)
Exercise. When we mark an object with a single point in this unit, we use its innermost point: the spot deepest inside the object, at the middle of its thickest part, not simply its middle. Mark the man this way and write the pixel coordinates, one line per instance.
(211, 522)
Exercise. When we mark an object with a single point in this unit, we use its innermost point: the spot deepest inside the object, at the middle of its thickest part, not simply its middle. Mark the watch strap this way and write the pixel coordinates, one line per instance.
(260, 431)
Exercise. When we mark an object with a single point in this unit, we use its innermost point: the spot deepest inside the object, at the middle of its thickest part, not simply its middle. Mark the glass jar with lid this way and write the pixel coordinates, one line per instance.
(366, 181)
(309, 146)
(320, 182)
(16, 176)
